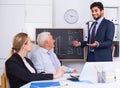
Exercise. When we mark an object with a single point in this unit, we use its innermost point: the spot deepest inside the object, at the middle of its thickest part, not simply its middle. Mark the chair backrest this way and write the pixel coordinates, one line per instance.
(4, 81)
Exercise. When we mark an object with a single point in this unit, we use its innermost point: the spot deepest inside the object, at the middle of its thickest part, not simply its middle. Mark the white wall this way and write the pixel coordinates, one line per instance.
(38, 14)
(12, 22)
(82, 7)
(22, 15)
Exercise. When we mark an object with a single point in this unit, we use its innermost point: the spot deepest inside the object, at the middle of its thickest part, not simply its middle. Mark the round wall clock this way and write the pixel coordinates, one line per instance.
(71, 16)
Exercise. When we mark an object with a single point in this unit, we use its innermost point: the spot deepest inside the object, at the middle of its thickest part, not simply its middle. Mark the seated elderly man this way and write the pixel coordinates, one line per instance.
(44, 58)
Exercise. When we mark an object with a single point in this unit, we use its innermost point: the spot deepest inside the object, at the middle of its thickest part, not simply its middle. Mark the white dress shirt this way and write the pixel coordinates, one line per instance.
(31, 69)
(98, 23)
(42, 62)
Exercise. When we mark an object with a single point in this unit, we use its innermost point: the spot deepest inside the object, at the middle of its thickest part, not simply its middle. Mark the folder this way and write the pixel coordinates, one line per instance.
(44, 84)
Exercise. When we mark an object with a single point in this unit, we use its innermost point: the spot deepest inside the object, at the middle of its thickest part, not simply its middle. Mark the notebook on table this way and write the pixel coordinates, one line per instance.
(44, 84)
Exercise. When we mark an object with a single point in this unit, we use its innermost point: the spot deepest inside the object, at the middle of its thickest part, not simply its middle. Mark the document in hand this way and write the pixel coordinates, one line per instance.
(44, 84)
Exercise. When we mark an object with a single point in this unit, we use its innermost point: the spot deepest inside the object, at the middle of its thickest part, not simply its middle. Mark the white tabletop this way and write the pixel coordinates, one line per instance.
(88, 77)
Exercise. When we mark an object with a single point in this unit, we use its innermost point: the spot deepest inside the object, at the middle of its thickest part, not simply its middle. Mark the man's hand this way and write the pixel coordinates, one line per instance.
(75, 71)
(75, 43)
(95, 44)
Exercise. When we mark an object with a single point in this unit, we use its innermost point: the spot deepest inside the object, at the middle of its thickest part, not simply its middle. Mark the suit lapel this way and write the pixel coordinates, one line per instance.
(100, 27)
(31, 64)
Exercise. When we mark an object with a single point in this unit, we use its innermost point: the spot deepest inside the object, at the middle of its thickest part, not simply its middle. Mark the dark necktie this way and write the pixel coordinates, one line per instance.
(92, 37)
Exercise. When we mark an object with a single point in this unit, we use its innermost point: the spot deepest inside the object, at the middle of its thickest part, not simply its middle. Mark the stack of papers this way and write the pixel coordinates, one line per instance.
(44, 84)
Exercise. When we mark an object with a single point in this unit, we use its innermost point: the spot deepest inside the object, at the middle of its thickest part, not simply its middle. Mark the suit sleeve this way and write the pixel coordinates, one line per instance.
(84, 43)
(20, 72)
(108, 36)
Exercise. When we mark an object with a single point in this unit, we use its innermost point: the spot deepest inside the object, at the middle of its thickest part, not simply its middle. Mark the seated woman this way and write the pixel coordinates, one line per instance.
(19, 69)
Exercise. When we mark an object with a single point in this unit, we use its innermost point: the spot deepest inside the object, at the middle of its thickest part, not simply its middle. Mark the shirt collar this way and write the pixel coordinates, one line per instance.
(99, 20)
(45, 50)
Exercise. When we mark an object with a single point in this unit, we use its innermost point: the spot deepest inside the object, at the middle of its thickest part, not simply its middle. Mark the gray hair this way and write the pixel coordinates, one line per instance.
(42, 37)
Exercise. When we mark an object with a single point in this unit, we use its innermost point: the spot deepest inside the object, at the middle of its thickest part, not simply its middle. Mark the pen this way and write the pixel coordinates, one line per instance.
(96, 68)
(101, 75)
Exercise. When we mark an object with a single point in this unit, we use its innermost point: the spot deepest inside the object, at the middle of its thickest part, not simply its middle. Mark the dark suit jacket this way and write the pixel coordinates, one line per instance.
(104, 36)
(18, 74)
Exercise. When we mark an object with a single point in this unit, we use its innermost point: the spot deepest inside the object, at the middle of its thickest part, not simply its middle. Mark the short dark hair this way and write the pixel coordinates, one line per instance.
(97, 4)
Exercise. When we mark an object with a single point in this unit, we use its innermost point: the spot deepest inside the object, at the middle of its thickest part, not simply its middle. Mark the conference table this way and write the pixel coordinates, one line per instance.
(88, 77)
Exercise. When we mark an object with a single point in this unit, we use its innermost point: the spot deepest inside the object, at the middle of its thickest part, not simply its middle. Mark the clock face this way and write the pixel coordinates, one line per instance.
(71, 16)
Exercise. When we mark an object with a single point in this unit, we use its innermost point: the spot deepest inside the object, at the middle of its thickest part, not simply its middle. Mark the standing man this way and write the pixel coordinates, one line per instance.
(100, 36)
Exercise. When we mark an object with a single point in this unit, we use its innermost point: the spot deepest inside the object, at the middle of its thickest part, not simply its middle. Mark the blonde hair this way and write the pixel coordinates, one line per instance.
(18, 41)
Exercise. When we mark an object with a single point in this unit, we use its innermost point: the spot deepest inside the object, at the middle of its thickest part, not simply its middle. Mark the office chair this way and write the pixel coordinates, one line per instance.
(4, 81)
